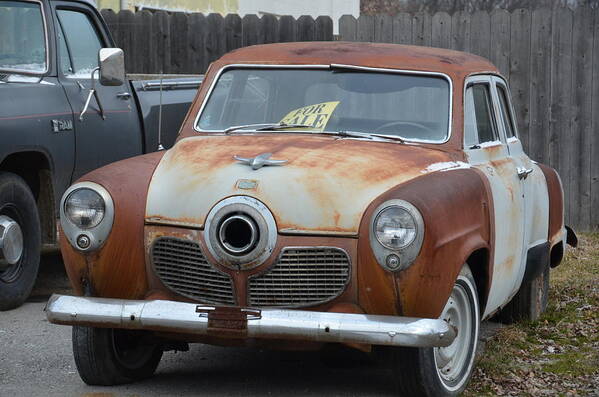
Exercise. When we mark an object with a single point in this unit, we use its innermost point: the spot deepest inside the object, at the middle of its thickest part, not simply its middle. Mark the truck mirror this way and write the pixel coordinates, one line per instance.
(112, 66)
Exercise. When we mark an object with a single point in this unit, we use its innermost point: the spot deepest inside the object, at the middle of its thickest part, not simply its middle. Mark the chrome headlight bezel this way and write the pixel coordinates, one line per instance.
(96, 235)
(401, 257)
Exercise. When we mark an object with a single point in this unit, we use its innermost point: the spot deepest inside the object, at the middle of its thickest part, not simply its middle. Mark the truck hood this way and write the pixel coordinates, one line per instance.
(324, 188)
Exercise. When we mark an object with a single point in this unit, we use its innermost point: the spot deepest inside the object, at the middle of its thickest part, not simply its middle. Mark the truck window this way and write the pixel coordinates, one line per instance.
(23, 43)
(82, 42)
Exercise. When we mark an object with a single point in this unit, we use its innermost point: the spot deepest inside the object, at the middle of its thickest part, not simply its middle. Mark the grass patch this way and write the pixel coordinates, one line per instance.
(559, 354)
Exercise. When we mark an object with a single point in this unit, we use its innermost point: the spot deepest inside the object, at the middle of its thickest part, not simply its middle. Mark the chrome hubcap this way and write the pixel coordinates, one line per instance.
(452, 361)
(11, 242)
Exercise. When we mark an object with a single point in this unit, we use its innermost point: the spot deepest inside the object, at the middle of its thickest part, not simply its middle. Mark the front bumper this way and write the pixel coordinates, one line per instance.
(190, 318)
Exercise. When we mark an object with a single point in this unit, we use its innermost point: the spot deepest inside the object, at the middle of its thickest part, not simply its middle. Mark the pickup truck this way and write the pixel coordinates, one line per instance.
(66, 108)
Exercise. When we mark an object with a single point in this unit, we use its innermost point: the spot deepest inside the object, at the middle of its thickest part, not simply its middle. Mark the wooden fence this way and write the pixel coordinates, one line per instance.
(549, 56)
(163, 42)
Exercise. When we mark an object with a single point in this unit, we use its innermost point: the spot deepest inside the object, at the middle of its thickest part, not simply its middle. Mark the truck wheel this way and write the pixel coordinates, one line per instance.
(443, 371)
(20, 241)
(529, 302)
(106, 356)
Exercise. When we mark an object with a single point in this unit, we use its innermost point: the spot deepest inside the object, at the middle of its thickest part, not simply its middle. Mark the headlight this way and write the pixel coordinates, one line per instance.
(86, 215)
(85, 208)
(395, 227)
(396, 234)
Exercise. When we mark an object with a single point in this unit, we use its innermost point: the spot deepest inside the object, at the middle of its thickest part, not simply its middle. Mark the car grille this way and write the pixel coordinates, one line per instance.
(181, 266)
(302, 277)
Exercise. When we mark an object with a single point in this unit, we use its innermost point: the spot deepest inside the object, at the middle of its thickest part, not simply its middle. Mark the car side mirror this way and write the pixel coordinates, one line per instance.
(112, 66)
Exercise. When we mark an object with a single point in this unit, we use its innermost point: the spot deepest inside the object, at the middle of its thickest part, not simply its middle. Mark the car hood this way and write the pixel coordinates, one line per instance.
(324, 188)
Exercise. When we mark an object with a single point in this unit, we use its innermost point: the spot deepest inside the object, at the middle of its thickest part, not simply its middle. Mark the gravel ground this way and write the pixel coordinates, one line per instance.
(36, 360)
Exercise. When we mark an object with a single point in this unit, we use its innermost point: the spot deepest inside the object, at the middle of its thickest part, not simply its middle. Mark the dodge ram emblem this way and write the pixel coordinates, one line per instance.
(259, 161)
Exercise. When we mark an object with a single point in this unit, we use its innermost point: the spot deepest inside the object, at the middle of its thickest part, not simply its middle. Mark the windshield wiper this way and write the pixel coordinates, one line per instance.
(356, 134)
(266, 127)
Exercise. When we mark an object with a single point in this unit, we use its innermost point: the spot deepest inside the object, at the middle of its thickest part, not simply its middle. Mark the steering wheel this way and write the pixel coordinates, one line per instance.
(394, 123)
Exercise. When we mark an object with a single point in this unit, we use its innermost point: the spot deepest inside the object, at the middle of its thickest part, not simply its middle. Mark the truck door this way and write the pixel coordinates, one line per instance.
(98, 140)
(487, 150)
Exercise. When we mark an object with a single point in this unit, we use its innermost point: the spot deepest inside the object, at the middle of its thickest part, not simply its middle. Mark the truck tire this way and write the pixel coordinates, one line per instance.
(529, 302)
(443, 371)
(106, 356)
(17, 206)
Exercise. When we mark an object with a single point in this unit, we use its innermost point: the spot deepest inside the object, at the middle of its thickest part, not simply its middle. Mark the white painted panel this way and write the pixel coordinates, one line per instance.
(333, 8)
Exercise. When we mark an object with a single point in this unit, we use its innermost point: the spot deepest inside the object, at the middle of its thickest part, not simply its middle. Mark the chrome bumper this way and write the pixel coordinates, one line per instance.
(190, 318)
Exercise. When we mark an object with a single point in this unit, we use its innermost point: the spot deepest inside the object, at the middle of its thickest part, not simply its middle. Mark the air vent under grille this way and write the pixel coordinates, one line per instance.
(182, 266)
(302, 277)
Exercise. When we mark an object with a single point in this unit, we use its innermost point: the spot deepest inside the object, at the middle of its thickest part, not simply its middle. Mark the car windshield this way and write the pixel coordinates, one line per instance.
(23, 45)
(412, 106)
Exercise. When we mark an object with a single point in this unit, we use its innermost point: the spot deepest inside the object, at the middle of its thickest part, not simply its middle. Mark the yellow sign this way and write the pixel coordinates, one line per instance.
(316, 115)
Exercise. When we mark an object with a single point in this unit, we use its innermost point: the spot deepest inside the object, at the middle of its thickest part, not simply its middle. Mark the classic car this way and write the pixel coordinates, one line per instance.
(374, 195)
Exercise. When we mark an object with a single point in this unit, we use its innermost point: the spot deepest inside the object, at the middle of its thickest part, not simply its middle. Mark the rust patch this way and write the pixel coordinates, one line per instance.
(117, 269)
(452, 206)
(556, 203)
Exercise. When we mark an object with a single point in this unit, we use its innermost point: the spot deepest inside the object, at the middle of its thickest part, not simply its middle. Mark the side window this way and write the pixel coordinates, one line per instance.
(479, 123)
(82, 41)
(65, 57)
(506, 114)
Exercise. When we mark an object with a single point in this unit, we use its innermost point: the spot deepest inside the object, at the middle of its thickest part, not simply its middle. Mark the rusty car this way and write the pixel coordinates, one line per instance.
(372, 195)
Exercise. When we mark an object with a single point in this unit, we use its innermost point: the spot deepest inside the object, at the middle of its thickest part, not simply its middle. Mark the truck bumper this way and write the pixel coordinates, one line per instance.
(190, 318)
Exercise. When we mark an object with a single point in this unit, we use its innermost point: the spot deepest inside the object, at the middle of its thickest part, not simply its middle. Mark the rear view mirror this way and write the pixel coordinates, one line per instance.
(112, 66)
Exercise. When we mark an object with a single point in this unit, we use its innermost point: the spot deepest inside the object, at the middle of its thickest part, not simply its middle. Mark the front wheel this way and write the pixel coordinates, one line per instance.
(443, 371)
(20, 241)
(107, 356)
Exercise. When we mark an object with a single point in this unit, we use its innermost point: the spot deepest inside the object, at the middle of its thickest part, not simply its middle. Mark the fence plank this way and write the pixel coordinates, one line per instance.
(460, 31)
(249, 30)
(540, 87)
(305, 28)
(560, 142)
(197, 38)
(383, 29)
(441, 30)
(365, 28)
(500, 34)
(269, 29)
(581, 127)
(160, 28)
(179, 47)
(421, 29)
(520, 71)
(480, 37)
(348, 28)
(112, 21)
(324, 28)
(287, 29)
(215, 39)
(233, 31)
(594, 141)
(125, 34)
(402, 28)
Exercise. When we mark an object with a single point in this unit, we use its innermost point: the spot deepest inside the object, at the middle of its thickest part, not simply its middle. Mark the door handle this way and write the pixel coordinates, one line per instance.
(123, 95)
(523, 172)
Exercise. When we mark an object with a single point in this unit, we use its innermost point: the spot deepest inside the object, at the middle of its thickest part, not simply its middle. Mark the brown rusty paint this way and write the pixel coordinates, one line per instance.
(117, 269)
(455, 208)
(556, 203)
(198, 172)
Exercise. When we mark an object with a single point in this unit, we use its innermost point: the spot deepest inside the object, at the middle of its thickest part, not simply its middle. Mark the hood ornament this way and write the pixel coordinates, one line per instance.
(259, 161)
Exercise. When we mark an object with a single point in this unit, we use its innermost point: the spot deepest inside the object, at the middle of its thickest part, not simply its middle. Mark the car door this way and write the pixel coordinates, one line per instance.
(532, 180)
(98, 140)
(487, 150)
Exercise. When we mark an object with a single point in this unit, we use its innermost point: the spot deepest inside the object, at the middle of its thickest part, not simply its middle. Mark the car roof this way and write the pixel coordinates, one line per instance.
(375, 55)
